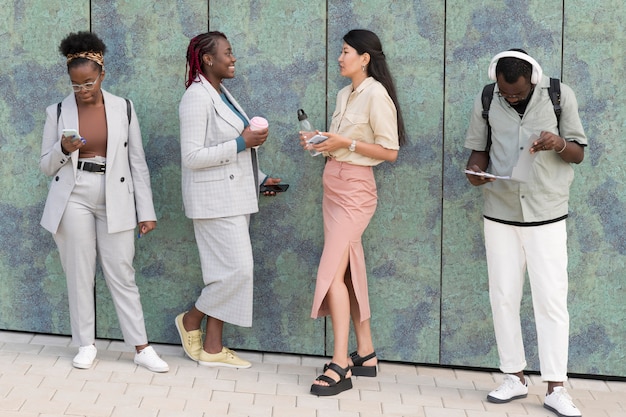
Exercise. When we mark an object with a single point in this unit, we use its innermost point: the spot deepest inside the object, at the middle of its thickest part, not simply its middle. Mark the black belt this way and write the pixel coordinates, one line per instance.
(91, 167)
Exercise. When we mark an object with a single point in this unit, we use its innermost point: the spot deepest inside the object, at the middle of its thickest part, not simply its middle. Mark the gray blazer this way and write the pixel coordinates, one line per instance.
(128, 191)
(216, 180)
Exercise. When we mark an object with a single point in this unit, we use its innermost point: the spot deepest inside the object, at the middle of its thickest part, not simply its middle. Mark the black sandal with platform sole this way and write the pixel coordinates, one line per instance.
(358, 369)
(333, 387)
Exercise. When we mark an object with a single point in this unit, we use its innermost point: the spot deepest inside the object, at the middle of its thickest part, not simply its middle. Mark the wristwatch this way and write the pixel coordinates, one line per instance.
(352, 146)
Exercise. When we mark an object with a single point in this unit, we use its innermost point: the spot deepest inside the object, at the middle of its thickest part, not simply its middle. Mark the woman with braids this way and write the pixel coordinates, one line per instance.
(366, 129)
(220, 187)
(99, 191)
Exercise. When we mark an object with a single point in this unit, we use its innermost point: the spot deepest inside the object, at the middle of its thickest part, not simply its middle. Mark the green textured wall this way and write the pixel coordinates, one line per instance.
(424, 246)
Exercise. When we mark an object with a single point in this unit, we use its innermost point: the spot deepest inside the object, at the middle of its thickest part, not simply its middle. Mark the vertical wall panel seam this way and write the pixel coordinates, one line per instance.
(443, 142)
(327, 69)
(562, 38)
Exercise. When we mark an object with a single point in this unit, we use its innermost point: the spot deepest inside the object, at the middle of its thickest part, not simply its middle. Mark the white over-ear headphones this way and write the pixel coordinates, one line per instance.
(537, 73)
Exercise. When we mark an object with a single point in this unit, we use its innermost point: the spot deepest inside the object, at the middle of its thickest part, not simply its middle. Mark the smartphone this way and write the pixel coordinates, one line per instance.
(277, 188)
(317, 139)
(72, 134)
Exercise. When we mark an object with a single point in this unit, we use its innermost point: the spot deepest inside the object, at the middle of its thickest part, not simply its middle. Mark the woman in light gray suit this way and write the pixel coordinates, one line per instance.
(100, 189)
(220, 182)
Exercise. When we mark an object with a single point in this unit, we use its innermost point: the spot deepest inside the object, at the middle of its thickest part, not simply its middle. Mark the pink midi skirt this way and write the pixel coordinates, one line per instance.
(349, 202)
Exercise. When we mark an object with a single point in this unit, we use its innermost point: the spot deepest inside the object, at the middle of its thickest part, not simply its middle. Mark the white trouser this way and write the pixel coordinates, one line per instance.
(543, 251)
(83, 235)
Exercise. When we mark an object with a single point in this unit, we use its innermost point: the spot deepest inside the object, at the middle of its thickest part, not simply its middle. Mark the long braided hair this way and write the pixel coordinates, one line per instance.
(199, 46)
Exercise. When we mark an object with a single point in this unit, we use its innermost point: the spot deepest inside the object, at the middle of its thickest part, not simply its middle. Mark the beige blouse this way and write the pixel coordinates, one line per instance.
(368, 115)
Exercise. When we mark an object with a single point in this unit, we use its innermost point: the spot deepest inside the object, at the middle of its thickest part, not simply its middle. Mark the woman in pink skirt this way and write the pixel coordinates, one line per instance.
(366, 130)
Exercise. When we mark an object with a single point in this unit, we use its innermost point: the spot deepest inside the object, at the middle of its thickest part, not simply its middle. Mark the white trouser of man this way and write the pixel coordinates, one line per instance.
(542, 250)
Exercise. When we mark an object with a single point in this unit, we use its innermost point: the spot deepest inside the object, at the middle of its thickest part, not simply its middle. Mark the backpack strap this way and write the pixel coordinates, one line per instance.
(486, 99)
(128, 110)
(555, 95)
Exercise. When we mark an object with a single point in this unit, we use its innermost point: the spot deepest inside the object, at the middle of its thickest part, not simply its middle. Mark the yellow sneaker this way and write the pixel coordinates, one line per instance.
(226, 358)
(191, 340)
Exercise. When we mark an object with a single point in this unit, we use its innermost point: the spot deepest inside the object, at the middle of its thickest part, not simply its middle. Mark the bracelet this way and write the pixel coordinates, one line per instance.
(564, 146)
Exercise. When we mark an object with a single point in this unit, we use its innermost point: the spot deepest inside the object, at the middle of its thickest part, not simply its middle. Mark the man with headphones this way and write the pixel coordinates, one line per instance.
(524, 219)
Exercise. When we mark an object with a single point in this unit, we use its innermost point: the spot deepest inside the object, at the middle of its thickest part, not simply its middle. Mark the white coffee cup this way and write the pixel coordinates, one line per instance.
(258, 123)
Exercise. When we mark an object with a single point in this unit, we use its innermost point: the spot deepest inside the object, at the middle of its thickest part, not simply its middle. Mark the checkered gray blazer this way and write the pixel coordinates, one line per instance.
(216, 180)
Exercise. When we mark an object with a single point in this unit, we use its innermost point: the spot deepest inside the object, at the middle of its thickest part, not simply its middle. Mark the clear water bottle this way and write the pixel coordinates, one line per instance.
(306, 129)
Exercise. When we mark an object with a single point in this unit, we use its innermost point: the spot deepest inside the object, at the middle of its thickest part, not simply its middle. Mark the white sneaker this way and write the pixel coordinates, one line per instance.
(511, 389)
(561, 403)
(148, 358)
(85, 357)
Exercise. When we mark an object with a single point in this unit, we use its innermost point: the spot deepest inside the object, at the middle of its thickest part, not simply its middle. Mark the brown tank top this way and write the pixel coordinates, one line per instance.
(92, 124)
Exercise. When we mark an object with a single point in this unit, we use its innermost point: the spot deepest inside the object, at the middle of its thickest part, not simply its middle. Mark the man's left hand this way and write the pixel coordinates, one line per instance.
(548, 142)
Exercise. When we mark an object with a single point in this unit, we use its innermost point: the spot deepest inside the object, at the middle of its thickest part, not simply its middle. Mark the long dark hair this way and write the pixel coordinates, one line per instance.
(200, 45)
(367, 41)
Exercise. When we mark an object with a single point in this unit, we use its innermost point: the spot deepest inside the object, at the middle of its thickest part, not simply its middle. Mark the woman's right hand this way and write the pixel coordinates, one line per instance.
(304, 136)
(254, 137)
(67, 146)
